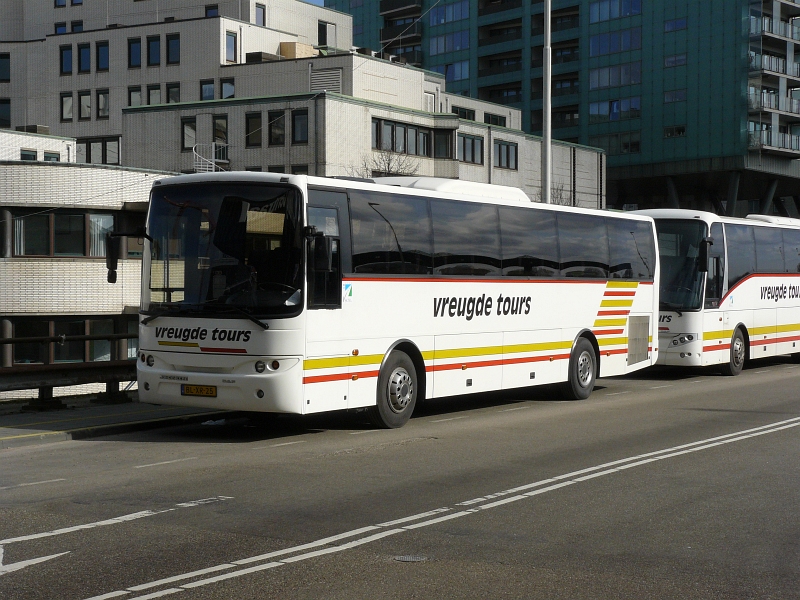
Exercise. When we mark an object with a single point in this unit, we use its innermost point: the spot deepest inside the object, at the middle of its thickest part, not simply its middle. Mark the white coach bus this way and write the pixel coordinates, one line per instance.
(297, 294)
(730, 288)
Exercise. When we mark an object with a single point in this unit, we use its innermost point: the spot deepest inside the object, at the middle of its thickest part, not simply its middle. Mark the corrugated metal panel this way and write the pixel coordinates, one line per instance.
(326, 80)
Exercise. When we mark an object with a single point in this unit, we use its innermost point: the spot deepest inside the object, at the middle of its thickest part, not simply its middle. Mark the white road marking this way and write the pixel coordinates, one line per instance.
(166, 462)
(658, 387)
(528, 490)
(367, 431)
(115, 521)
(617, 393)
(763, 371)
(450, 419)
(25, 563)
(19, 485)
(287, 444)
(517, 408)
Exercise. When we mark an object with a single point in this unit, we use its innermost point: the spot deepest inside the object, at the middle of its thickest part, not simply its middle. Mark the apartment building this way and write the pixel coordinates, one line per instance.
(694, 103)
(54, 214)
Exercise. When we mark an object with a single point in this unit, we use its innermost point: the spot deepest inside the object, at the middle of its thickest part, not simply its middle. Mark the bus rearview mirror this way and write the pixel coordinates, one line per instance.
(112, 257)
(703, 254)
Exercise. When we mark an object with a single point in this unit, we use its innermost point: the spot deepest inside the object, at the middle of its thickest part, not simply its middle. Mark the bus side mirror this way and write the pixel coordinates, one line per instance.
(322, 253)
(703, 254)
(112, 257)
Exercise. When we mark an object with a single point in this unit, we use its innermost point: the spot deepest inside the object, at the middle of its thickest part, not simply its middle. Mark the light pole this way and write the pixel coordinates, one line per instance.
(547, 133)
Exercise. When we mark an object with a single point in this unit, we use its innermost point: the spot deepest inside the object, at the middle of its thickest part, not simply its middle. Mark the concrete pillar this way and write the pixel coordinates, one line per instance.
(766, 201)
(733, 193)
(6, 355)
(673, 201)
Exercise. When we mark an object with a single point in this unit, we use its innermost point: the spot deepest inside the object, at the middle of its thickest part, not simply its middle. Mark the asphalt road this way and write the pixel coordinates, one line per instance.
(663, 485)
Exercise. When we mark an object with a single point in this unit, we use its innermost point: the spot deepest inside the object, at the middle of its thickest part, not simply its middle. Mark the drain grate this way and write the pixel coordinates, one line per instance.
(410, 558)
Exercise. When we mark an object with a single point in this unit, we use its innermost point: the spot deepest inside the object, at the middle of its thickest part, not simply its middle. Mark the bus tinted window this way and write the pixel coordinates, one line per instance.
(631, 248)
(583, 245)
(791, 244)
(466, 238)
(391, 233)
(769, 250)
(741, 252)
(530, 242)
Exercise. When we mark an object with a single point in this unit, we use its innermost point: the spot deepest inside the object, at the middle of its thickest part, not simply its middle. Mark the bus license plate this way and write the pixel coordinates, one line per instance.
(199, 390)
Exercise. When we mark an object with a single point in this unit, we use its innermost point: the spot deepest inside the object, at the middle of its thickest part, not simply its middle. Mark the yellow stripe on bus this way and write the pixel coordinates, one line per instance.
(616, 303)
(718, 335)
(620, 341)
(610, 322)
(622, 284)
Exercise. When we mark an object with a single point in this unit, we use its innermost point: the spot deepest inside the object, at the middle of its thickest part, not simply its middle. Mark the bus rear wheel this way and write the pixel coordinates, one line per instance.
(738, 352)
(582, 369)
(397, 392)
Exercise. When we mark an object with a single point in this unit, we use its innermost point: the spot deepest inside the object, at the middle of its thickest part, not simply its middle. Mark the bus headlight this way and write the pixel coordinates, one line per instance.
(683, 338)
(150, 360)
(261, 366)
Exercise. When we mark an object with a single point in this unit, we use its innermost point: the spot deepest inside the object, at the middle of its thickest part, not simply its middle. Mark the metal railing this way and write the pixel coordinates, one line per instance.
(770, 139)
(210, 157)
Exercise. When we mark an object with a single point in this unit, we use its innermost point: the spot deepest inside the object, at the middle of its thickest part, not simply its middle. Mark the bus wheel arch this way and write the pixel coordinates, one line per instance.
(583, 368)
(739, 351)
(400, 386)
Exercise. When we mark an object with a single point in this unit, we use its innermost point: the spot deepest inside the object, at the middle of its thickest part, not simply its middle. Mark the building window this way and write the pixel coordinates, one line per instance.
(173, 49)
(606, 10)
(454, 11)
(60, 28)
(66, 60)
(623, 74)
(675, 131)
(619, 109)
(98, 151)
(277, 128)
(675, 60)
(188, 133)
(84, 105)
(173, 92)
(84, 58)
(134, 53)
(52, 157)
(77, 2)
(102, 104)
(76, 26)
(154, 51)
(5, 67)
(450, 42)
(453, 72)
(60, 3)
(226, 88)
(415, 140)
(505, 155)
(101, 56)
(675, 96)
(230, 46)
(212, 10)
(154, 94)
(253, 169)
(66, 106)
(299, 169)
(276, 169)
(253, 130)
(491, 119)
(27, 155)
(300, 126)
(261, 15)
(618, 143)
(675, 24)
(613, 42)
(135, 95)
(470, 149)
(207, 89)
(60, 233)
(464, 113)
(5, 113)
(442, 144)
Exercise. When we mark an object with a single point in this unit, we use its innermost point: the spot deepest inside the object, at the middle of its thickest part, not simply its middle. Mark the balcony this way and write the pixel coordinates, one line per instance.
(497, 39)
(773, 64)
(757, 102)
(778, 143)
(491, 8)
(394, 7)
(500, 69)
(401, 32)
(766, 25)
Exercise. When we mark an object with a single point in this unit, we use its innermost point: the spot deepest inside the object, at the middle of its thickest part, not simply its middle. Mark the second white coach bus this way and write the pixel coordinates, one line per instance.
(730, 288)
(296, 294)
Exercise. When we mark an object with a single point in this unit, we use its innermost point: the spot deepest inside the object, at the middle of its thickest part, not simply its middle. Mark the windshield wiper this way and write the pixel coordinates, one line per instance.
(247, 314)
(164, 313)
(672, 306)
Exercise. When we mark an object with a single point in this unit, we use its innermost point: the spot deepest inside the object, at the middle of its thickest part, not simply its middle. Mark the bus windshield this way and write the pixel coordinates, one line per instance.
(679, 248)
(224, 248)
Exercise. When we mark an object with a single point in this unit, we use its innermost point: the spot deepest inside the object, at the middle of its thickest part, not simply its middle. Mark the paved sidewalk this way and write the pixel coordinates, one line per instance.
(21, 427)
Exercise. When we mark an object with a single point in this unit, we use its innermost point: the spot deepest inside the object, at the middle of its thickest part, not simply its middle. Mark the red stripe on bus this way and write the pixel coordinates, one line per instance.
(608, 331)
(613, 313)
(719, 347)
(225, 350)
(475, 280)
(339, 377)
(610, 293)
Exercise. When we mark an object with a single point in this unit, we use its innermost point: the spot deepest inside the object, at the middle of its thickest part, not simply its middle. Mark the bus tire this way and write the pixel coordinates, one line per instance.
(582, 369)
(397, 392)
(738, 352)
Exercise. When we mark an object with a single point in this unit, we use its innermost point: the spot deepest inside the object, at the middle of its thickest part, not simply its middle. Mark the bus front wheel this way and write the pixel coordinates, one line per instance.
(582, 368)
(397, 392)
(737, 355)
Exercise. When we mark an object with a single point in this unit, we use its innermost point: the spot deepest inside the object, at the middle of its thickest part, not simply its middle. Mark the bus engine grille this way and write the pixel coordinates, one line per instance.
(638, 339)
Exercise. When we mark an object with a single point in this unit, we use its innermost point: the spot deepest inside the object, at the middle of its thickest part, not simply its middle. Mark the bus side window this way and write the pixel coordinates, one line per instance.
(741, 252)
(715, 277)
(791, 245)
